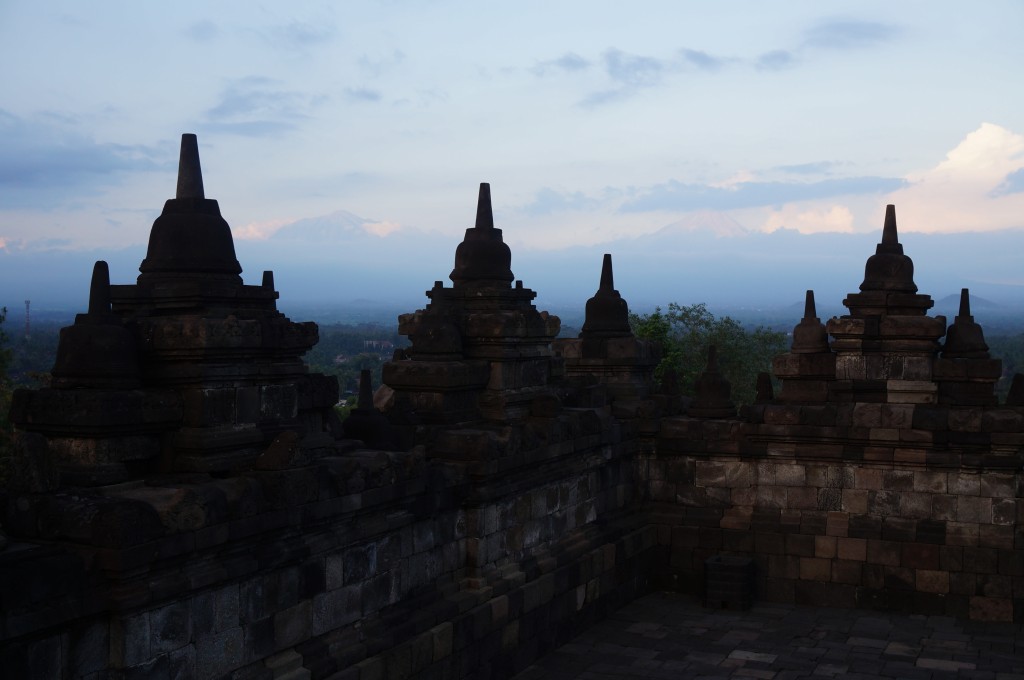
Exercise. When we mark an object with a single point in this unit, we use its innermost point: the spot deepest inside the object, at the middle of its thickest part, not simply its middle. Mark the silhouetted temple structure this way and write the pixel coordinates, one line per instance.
(185, 502)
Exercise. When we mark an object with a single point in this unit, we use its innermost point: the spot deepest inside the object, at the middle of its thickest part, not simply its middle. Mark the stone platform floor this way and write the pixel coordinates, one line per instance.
(667, 635)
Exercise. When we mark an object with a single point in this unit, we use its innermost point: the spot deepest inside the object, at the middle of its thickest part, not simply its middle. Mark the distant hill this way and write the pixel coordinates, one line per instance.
(341, 260)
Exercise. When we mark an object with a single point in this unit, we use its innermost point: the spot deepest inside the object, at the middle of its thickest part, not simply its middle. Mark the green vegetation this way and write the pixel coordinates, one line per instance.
(685, 332)
(1009, 348)
(5, 401)
(344, 350)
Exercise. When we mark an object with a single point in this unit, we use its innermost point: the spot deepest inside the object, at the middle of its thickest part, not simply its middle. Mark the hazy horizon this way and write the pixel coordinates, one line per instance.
(731, 155)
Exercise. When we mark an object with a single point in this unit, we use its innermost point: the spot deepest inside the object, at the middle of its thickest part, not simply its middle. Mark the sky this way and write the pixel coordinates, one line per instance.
(592, 121)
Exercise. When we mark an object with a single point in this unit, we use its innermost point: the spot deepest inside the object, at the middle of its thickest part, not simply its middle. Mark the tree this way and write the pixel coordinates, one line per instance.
(685, 332)
(6, 451)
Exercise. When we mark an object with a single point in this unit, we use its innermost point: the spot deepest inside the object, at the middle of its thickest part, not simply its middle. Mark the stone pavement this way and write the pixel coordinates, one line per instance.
(668, 635)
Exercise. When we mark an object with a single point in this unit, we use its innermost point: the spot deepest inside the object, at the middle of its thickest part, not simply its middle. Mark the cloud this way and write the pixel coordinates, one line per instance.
(839, 34)
(977, 186)
(201, 31)
(47, 159)
(818, 168)
(569, 62)
(381, 229)
(629, 73)
(702, 60)
(299, 35)
(375, 68)
(362, 94)
(1014, 183)
(259, 231)
(679, 196)
(548, 201)
(632, 70)
(836, 218)
(776, 60)
(255, 106)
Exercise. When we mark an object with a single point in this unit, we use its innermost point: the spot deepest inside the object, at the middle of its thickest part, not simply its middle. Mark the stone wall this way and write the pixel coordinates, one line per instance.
(386, 562)
(888, 533)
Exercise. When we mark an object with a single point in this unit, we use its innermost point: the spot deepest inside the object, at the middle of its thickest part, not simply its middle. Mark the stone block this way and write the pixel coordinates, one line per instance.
(360, 563)
(915, 505)
(88, 648)
(837, 524)
(170, 627)
(855, 501)
(336, 608)
(974, 509)
(815, 569)
(883, 503)
(293, 625)
(845, 571)
(996, 536)
(825, 546)
(991, 609)
(800, 544)
(997, 485)
(219, 653)
(728, 474)
(920, 556)
(802, 498)
(181, 663)
(130, 640)
(851, 549)
(883, 552)
(1004, 511)
(868, 478)
(899, 529)
(964, 483)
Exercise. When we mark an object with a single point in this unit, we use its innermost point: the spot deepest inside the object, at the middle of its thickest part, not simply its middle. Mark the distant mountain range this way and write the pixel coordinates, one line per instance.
(342, 260)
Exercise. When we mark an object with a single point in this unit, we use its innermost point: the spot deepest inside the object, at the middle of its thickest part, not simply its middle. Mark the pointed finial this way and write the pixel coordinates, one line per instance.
(268, 279)
(190, 174)
(965, 303)
(484, 216)
(764, 392)
(712, 359)
(889, 230)
(99, 289)
(809, 311)
(365, 389)
(1015, 397)
(607, 279)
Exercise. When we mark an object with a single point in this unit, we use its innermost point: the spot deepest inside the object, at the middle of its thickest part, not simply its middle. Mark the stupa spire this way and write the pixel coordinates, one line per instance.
(809, 310)
(190, 236)
(607, 278)
(365, 389)
(483, 259)
(99, 289)
(484, 214)
(889, 235)
(190, 173)
(889, 269)
(809, 336)
(607, 314)
(713, 393)
(965, 338)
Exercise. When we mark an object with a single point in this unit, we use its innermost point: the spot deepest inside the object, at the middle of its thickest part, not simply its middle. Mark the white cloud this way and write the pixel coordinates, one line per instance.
(259, 231)
(381, 229)
(810, 221)
(961, 193)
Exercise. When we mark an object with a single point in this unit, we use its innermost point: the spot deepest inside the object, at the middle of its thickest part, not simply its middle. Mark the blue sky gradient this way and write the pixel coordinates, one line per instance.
(593, 121)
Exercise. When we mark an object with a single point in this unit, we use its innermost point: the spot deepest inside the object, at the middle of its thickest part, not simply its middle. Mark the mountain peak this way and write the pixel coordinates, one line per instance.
(708, 222)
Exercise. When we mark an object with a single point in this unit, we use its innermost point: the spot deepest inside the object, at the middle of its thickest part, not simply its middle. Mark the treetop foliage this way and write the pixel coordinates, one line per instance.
(685, 332)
